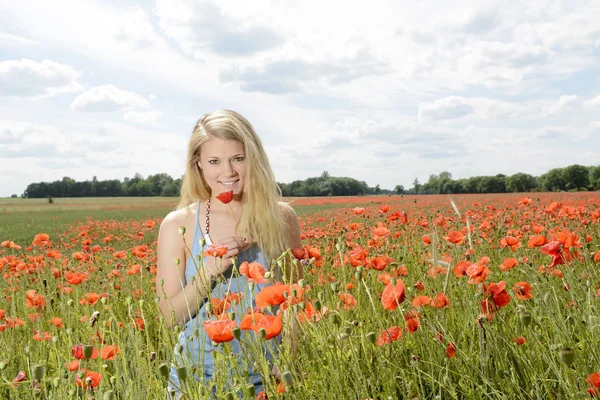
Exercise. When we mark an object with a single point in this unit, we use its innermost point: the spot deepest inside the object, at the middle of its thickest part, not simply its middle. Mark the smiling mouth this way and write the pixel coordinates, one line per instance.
(229, 183)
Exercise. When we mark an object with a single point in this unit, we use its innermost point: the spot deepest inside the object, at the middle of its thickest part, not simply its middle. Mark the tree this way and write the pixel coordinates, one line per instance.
(577, 177)
(520, 183)
(595, 178)
(416, 185)
(399, 189)
(553, 180)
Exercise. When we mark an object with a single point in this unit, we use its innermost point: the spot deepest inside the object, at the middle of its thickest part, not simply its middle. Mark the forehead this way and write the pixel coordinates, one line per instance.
(215, 147)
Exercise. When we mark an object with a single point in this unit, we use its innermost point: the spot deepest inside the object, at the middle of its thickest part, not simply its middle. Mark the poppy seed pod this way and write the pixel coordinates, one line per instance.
(38, 372)
(287, 378)
(237, 333)
(182, 373)
(567, 355)
(371, 337)
(87, 351)
(525, 318)
(163, 369)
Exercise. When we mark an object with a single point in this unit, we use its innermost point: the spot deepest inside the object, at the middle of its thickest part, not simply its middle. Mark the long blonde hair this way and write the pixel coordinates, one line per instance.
(263, 221)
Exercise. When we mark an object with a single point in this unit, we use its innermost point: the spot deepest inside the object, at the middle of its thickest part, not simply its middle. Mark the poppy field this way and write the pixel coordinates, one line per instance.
(413, 297)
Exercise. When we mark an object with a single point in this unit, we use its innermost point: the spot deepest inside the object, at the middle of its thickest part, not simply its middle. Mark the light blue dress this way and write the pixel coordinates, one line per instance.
(198, 349)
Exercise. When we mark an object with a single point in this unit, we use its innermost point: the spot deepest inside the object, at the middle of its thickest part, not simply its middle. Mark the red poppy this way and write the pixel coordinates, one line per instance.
(253, 271)
(220, 331)
(440, 301)
(455, 237)
(73, 365)
(348, 301)
(41, 239)
(271, 324)
(20, 377)
(110, 352)
(393, 295)
(225, 197)
(272, 295)
(77, 352)
(498, 293)
(523, 290)
(389, 335)
(358, 210)
(33, 299)
(249, 320)
(594, 379)
(451, 350)
(75, 278)
(56, 321)
(520, 340)
(216, 250)
(508, 263)
(91, 379)
(421, 301)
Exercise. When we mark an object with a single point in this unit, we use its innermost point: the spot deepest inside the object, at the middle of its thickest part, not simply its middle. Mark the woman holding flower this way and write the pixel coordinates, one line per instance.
(229, 213)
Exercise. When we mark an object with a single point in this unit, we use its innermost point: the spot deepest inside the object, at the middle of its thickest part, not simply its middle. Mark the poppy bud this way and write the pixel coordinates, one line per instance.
(2, 365)
(71, 393)
(372, 337)
(268, 275)
(318, 305)
(237, 333)
(202, 242)
(567, 355)
(70, 302)
(339, 246)
(525, 318)
(163, 369)
(336, 318)
(87, 351)
(263, 333)
(113, 380)
(128, 300)
(103, 300)
(231, 315)
(358, 275)
(109, 395)
(320, 295)
(182, 373)
(141, 303)
(343, 336)
(393, 281)
(251, 286)
(287, 378)
(182, 230)
(295, 308)
(229, 396)
(179, 348)
(302, 283)
(251, 391)
(302, 305)
(56, 382)
(334, 286)
(38, 372)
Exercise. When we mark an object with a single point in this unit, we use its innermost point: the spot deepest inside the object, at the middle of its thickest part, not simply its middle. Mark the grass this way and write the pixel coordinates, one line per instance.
(341, 340)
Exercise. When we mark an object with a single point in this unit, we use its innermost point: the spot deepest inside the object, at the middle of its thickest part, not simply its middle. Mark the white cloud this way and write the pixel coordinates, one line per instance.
(461, 108)
(8, 40)
(28, 78)
(564, 103)
(592, 103)
(146, 117)
(106, 98)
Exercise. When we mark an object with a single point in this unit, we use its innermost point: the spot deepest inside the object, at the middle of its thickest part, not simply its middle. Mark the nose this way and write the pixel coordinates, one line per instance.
(228, 168)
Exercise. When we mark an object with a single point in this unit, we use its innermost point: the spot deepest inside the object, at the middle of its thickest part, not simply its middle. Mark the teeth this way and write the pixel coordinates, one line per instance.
(228, 183)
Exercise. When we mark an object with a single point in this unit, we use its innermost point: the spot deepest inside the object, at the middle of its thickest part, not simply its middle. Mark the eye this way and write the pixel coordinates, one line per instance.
(239, 159)
(213, 162)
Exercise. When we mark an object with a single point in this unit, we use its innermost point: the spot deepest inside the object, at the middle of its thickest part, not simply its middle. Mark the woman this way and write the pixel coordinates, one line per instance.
(224, 155)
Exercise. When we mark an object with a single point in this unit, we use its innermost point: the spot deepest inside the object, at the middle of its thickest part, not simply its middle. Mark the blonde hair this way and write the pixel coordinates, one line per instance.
(263, 221)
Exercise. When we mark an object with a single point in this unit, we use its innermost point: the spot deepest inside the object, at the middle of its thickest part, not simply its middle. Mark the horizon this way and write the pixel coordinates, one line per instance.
(115, 88)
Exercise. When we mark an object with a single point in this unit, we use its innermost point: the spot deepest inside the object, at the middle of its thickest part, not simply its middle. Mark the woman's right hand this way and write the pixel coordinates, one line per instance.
(218, 265)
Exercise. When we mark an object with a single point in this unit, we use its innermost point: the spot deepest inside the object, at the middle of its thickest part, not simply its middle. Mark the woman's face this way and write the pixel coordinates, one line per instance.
(223, 164)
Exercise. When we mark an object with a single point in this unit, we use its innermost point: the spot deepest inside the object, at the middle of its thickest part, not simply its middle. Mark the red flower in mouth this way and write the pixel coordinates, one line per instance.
(225, 197)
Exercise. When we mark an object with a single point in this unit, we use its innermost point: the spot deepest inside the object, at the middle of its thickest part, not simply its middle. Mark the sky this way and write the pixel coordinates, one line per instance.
(380, 91)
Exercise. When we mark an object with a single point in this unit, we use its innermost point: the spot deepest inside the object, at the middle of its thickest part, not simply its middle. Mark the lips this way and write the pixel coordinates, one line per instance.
(230, 183)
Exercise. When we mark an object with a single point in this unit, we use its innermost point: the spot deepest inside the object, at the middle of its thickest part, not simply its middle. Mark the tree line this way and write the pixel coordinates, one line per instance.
(572, 178)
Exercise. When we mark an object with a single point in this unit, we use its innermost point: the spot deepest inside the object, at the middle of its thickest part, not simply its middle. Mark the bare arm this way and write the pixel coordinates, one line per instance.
(179, 301)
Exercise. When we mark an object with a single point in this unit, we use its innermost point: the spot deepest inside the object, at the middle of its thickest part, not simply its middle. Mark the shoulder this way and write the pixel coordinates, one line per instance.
(179, 218)
(287, 211)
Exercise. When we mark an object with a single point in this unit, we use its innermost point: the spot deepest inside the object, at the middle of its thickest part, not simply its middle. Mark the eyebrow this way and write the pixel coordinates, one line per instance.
(237, 155)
